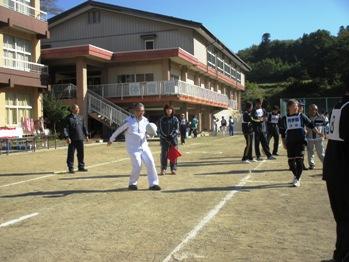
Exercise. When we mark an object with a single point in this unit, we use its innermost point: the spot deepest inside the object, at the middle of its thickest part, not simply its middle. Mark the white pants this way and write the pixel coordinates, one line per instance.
(319, 146)
(146, 156)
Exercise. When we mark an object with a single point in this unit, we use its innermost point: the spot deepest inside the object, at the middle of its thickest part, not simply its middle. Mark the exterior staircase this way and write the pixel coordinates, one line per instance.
(105, 111)
(98, 107)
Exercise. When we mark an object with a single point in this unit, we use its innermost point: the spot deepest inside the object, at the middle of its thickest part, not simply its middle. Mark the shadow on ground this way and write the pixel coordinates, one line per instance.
(230, 188)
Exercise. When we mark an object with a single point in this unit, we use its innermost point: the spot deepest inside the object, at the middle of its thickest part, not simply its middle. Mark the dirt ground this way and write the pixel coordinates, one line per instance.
(215, 209)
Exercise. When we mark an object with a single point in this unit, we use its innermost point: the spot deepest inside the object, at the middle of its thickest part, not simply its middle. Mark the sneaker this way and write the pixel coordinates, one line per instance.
(271, 158)
(293, 180)
(311, 167)
(259, 158)
(155, 187)
(173, 172)
(163, 172)
(82, 169)
(253, 160)
(246, 161)
(132, 187)
(296, 183)
(71, 170)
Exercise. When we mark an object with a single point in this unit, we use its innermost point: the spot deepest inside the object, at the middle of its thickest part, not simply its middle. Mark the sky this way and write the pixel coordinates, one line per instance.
(241, 23)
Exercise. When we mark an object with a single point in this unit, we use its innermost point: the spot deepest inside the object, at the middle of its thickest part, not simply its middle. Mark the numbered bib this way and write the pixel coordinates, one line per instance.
(334, 124)
(293, 122)
(274, 119)
(259, 112)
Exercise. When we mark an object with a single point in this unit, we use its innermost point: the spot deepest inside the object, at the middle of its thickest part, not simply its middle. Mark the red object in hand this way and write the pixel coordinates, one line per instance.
(173, 154)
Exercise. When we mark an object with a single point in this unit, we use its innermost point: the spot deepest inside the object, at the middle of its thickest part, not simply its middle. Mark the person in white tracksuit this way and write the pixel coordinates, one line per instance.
(313, 139)
(137, 147)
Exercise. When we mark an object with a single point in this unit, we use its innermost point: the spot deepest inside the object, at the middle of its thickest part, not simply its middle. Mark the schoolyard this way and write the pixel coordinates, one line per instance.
(215, 209)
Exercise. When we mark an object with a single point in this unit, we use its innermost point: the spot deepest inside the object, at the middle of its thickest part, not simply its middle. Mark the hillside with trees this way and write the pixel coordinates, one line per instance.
(311, 66)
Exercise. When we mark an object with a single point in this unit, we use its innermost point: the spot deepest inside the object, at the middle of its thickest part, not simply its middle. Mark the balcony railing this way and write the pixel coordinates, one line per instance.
(158, 88)
(24, 9)
(25, 66)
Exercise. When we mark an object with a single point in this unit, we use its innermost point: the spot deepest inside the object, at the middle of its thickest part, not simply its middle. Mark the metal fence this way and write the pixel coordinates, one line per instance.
(324, 104)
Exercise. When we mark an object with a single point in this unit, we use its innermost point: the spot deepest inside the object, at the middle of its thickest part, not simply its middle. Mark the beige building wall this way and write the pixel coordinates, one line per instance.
(1, 48)
(135, 68)
(200, 50)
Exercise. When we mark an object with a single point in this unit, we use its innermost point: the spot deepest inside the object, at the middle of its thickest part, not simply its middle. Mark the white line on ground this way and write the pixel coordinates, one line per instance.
(24, 181)
(210, 215)
(14, 221)
(63, 172)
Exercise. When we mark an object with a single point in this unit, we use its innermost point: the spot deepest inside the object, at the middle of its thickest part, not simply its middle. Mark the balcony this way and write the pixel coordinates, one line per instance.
(23, 73)
(22, 17)
(24, 9)
(184, 91)
(25, 66)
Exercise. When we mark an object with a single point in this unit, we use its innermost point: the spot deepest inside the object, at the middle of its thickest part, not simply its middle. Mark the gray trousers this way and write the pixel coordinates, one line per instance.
(320, 151)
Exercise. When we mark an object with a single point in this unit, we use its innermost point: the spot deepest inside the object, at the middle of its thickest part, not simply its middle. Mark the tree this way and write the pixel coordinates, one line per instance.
(266, 38)
(50, 6)
(54, 111)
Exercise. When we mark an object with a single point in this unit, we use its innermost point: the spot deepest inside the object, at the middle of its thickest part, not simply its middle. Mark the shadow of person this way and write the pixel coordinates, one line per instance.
(230, 188)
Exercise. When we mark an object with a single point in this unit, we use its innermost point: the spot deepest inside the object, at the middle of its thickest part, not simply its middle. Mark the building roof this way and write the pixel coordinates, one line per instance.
(199, 27)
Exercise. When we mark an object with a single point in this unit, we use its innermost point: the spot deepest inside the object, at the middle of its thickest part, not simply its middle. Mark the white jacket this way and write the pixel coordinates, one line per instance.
(135, 133)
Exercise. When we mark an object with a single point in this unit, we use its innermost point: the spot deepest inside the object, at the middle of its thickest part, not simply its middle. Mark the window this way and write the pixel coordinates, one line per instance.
(94, 17)
(220, 64)
(135, 78)
(17, 107)
(211, 59)
(17, 53)
(149, 44)
(227, 69)
(174, 77)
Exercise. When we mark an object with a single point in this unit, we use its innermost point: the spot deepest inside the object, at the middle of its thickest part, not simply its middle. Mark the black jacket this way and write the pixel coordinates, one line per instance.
(75, 128)
(336, 162)
(169, 129)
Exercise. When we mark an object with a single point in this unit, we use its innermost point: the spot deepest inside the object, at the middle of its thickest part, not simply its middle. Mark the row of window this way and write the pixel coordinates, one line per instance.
(222, 66)
(17, 107)
(130, 78)
(17, 52)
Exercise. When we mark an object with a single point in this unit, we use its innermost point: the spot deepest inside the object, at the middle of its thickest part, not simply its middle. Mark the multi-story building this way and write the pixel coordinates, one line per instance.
(126, 55)
(22, 77)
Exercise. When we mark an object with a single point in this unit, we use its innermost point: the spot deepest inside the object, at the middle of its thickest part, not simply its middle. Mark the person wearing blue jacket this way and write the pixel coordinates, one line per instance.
(168, 131)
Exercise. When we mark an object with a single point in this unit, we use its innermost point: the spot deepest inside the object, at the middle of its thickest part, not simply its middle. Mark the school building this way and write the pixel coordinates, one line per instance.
(106, 57)
(22, 76)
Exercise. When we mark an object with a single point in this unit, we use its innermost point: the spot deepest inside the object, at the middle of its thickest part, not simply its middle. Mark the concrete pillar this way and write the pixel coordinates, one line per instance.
(184, 73)
(197, 80)
(200, 121)
(81, 86)
(166, 69)
(38, 103)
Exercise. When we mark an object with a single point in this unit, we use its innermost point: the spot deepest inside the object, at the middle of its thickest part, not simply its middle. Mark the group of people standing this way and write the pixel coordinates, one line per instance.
(253, 120)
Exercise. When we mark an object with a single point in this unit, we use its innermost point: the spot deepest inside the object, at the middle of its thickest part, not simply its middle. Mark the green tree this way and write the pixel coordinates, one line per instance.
(252, 92)
(51, 7)
(55, 112)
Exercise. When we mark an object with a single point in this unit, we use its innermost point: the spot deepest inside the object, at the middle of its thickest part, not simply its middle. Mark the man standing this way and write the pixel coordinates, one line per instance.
(258, 116)
(137, 147)
(248, 133)
(231, 126)
(273, 128)
(194, 126)
(223, 126)
(75, 132)
(183, 126)
(335, 172)
(313, 139)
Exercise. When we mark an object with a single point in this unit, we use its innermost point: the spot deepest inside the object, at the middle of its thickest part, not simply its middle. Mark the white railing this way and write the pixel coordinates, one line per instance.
(158, 88)
(24, 9)
(25, 66)
(233, 104)
(64, 91)
(105, 108)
